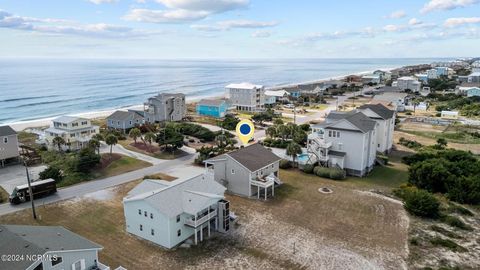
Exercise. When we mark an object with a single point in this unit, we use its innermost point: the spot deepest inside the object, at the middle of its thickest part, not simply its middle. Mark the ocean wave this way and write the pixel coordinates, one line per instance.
(28, 98)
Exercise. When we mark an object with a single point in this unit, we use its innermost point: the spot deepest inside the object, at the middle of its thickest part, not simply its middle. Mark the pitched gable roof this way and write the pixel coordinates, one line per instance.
(125, 115)
(379, 109)
(6, 131)
(358, 119)
(252, 157)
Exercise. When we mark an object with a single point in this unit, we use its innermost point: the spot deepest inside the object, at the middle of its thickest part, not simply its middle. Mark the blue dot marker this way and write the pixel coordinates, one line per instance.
(245, 130)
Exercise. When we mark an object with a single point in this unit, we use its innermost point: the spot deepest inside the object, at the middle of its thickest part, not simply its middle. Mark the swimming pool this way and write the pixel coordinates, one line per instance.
(302, 158)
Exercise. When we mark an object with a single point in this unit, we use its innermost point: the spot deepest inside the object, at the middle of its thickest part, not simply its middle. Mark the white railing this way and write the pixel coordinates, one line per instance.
(195, 223)
(102, 266)
(261, 183)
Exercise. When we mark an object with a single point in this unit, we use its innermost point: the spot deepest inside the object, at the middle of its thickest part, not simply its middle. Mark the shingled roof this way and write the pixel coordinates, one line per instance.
(252, 157)
(379, 109)
(358, 119)
(6, 131)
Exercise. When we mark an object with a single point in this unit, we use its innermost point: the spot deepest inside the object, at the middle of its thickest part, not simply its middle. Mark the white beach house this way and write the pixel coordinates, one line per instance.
(75, 131)
(246, 96)
(169, 213)
(386, 124)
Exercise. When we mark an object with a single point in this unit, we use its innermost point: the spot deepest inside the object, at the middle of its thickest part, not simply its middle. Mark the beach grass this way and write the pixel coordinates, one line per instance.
(119, 166)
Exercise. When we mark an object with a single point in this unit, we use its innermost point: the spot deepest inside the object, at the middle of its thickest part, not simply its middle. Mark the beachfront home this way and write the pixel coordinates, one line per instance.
(396, 99)
(246, 96)
(346, 140)
(473, 92)
(371, 79)
(8, 145)
(249, 171)
(449, 115)
(75, 131)
(474, 77)
(445, 71)
(125, 120)
(212, 107)
(383, 74)
(404, 83)
(385, 119)
(165, 107)
(274, 96)
(464, 90)
(47, 248)
(169, 213)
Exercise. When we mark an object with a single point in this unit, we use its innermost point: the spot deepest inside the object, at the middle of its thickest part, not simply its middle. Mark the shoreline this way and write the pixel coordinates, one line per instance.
(42, 122)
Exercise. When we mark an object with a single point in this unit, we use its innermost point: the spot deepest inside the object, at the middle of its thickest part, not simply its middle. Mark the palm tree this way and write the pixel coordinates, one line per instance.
(134, 134)
(58, 141)
(150, 137)
(94, 144)
(293, 149)
(98, 137)
(271, 132)
(111, 140)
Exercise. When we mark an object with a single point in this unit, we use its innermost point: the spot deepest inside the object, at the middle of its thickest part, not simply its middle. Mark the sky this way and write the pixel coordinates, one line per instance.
(226, 29)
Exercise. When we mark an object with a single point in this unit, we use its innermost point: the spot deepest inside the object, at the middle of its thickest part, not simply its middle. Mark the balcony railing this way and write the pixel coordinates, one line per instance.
(195, 223)
(263, 184)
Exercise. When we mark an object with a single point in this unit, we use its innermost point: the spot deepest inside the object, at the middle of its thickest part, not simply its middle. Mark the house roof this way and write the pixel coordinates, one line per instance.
(244, 85)
(277, 93)
(211, 102)
(358, 119)
(162, 96)
(6, 131)
(67, 119)
(407, 78)
(252, 157)
(125, 115)
(189, 195)
(474, 74)
(35, 240)
(379, 109)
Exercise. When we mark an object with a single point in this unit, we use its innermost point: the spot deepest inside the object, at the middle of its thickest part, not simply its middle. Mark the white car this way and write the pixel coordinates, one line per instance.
(289, 106)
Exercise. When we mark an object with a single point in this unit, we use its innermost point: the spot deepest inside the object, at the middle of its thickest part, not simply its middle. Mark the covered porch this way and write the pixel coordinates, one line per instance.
(263, 185)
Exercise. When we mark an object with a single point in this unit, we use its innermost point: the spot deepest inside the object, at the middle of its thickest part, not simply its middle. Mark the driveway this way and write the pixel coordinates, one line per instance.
(12, 176)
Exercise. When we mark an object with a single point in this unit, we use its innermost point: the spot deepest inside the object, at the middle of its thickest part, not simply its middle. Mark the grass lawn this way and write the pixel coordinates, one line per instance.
(27, 138)
(3, 195)
(128, 144)
(121, 165)
(455, 137)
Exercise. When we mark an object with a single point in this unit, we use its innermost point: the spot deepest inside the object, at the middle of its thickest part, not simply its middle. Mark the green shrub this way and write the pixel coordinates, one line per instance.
(456, 222)
(285, 164)
(421, 203)
(459, 209)
(337, 174)
(444, 232)
(331, 173)
(438, 241)
(308, 168)
(51, 172)
(383, 158)
(321, 171)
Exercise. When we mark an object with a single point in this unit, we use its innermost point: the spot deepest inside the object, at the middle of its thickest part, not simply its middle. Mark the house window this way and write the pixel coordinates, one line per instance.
(56, 260)
(152, 232)
(329, 133)
(79, 265)
(179, 232)
(378, 145)
(84, 123)
(151, 215)
(178, 218)
(338, 134)
(5, 140)
(141, 227)
(334, 134)
(118, 123)
(140, 212)
(145, 213)
(233, 171)
(130, 122)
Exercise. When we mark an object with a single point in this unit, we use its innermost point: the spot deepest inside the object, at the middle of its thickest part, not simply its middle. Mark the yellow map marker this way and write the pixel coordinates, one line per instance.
(245, 130)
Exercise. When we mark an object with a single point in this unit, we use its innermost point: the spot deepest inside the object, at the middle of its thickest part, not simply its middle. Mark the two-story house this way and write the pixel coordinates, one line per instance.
(75, 131)
(246, 96)
(165, 107)
(386, 124)
(169, 213)
(125, 120)
(346, 140)
(47, 248)
(404, 83)
(8, 145)
(249, 171)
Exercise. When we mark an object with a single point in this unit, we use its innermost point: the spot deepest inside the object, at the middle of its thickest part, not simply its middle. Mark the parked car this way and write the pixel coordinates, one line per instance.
(289, 106)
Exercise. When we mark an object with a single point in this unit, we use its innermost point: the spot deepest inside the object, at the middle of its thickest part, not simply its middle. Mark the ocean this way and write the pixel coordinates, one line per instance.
(33, 89)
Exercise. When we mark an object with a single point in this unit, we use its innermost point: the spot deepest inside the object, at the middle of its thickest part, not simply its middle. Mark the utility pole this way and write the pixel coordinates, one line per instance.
(30, 190)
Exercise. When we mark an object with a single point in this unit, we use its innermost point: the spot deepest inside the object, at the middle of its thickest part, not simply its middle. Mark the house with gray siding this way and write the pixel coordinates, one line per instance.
(386, 124)
(8, 145)
(125, 120)
(47, 248)
(169, 213)
(246, 96)
(346, 140)
(165, 107)
(249, 171)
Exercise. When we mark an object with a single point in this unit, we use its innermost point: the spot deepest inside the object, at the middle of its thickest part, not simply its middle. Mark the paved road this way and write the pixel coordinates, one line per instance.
(178, 167)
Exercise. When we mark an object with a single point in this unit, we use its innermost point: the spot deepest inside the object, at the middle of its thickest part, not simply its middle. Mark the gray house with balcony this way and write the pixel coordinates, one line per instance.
(169, 213)
(165, 107)
(47, 248)
(125, 120)
(8, 145)
(249, 171)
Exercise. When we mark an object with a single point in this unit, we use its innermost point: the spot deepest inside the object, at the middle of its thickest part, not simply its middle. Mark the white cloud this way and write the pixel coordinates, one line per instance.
(211, 6)
(261, 34)
(414, 21)
(453, 22)
(397, 15)
(227, 25)
(434, 5)
(165, 16)
(98, 2)
(57, 26)
(393, 28)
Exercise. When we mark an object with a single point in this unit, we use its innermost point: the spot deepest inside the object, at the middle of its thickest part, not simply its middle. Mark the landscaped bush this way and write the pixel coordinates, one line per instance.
(409, 143)
(383, 158)
(285, 164)
(277, 143)
(421, 203)
(456, 222)
(51, 172)
(332, 173)
(308, 168)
